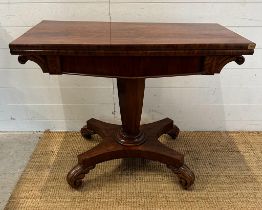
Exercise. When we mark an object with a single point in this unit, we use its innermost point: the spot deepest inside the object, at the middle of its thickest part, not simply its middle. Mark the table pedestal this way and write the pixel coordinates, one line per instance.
(130, 140)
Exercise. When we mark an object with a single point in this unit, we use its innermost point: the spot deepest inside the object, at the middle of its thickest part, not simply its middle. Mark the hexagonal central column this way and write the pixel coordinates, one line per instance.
(131, 95)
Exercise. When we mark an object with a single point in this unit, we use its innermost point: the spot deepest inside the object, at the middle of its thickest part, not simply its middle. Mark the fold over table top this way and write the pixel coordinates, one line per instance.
(59, 36)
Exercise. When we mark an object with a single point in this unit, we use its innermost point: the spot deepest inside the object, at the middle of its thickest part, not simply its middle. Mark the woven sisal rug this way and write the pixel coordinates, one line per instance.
(227, 165)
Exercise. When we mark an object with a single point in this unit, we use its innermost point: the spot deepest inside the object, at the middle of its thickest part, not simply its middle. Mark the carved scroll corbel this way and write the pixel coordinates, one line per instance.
(214, 64)
(40, 60)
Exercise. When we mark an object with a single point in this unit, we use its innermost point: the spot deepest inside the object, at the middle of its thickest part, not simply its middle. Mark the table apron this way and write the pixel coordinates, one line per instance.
(144, 66)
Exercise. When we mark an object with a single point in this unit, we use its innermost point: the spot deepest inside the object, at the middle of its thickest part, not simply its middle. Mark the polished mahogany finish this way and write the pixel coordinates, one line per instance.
(130, 52)
(94, 48)
(105, 36)
(130, 93)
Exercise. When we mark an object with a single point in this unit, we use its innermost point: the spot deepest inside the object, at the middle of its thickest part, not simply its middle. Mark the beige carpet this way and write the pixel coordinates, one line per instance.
(227, 165)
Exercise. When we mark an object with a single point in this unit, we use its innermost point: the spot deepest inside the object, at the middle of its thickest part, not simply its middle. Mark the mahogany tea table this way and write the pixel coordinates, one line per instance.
(130, 52)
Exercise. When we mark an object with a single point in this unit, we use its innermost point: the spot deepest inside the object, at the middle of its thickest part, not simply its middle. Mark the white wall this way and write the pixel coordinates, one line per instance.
(31, 100)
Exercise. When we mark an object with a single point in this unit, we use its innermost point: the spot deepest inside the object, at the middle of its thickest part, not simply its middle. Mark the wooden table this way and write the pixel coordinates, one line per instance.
(130, 52)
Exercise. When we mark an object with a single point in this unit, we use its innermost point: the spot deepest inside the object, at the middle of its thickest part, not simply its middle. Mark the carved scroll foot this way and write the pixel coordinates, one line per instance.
(185, 175)
(174, 132)
(86, 133)
(75, 176)
(101, 128)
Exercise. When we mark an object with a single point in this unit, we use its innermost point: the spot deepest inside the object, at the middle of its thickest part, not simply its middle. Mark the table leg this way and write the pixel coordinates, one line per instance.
(130, 140)
(131, 95)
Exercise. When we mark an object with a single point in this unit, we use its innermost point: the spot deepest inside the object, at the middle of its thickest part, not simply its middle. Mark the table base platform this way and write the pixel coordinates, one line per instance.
(116, 145)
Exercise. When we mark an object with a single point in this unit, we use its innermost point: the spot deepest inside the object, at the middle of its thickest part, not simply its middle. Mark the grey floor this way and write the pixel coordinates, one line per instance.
(15, 151)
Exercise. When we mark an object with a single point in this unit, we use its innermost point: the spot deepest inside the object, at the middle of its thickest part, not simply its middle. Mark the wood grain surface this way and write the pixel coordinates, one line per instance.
(124, 36)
